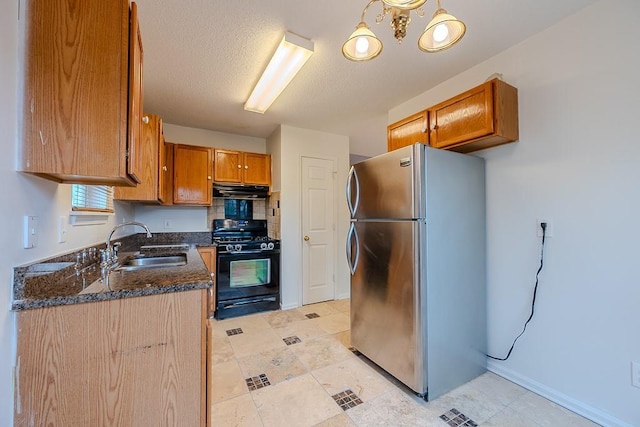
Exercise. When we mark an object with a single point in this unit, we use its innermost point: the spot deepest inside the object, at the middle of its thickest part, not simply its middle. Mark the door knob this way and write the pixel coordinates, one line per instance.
(306, 238)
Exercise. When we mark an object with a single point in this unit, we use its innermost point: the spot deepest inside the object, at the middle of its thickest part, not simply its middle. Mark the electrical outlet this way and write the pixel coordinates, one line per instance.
(548, 231)
(635, 374)
(168, 223)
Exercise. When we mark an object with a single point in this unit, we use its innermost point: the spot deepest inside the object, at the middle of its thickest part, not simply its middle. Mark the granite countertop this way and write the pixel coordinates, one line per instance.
(62, 281)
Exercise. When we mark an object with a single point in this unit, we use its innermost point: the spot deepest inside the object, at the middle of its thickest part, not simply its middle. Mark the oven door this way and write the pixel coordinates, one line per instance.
(247, 274)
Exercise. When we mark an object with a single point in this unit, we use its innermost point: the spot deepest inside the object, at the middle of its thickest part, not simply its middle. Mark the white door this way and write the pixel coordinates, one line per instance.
(318, 230)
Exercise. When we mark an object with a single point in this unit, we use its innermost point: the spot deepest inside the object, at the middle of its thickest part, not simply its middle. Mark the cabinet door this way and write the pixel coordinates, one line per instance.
(168, 184)
(147, 190)
(407, 131)
(462, 118)
(75, 91)
(191, 175)
(227, 166)
(163, 168)
(257, 169)
(135, 162)
(113, 363)
(208, 255)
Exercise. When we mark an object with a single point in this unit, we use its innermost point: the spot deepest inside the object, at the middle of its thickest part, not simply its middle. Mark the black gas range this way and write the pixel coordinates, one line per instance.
(247, 267)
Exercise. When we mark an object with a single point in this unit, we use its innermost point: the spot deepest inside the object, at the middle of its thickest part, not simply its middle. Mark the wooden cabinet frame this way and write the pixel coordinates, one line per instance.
(238, 167)
(482, 117)
(76, 101)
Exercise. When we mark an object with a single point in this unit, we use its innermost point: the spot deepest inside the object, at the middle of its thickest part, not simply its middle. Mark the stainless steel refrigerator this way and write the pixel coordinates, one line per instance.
(416, 251)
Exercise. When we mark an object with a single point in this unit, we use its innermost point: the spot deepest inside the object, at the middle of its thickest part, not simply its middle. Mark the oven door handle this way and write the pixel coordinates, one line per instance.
(252, 251)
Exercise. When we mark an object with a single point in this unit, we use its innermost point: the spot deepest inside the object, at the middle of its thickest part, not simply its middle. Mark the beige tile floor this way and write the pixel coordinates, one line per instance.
(305, 375)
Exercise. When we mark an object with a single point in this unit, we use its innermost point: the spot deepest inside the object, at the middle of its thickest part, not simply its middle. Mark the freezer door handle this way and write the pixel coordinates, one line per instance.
(353, 177)
(352, 237)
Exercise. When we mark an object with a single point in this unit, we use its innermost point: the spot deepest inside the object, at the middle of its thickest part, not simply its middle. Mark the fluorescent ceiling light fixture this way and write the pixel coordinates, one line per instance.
(292, 53)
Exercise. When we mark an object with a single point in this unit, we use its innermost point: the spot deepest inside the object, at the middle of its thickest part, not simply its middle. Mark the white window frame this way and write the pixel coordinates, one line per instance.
(92, 198)
(90, 204)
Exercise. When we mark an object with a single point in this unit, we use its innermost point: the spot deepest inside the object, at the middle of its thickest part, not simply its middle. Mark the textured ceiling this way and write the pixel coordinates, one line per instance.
(203, 57)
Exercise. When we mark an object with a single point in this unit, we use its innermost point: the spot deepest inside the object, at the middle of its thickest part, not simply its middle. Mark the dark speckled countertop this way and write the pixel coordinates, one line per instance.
(62, 281)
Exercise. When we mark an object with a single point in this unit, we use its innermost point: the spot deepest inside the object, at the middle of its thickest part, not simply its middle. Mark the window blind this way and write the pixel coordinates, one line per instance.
(95, 198)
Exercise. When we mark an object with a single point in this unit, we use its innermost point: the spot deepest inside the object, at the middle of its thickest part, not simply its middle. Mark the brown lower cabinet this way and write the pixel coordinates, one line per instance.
(125, 362)
(208, 255)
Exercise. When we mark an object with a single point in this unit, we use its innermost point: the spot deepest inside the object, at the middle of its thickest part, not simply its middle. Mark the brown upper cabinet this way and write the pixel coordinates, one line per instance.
(135, 159)
(482, 117)
(238, 167)
(154, 171)
(191, 175)
(408, 131)
(83, 75)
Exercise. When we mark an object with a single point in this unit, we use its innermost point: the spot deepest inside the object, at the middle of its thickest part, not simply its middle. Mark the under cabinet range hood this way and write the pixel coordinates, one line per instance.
(241, 191)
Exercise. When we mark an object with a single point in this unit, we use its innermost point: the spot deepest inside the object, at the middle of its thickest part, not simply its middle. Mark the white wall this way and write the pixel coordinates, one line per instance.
(577, 164)
(288, 145)
(23, 194)
(207, 138)
(181, 218)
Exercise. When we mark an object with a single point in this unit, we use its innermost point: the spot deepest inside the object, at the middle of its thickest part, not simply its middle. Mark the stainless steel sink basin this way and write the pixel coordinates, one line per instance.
(141, 262)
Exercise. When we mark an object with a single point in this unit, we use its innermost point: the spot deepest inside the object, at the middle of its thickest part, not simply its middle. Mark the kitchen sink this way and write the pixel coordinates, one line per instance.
(141, 262)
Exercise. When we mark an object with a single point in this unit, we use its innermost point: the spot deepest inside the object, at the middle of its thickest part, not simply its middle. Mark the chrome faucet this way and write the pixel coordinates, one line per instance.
(109, 256)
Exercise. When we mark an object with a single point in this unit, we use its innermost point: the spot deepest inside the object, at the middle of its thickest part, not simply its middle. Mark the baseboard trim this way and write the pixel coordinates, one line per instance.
(289, 306)
(587, 411)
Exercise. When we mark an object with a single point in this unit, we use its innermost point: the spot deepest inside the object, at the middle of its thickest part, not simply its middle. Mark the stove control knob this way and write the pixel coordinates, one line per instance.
(238, 247)
(263, 246)
(270, 245)
(229, 248)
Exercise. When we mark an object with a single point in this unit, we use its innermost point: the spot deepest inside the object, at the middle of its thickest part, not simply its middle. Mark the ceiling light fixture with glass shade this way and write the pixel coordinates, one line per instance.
(442, 32)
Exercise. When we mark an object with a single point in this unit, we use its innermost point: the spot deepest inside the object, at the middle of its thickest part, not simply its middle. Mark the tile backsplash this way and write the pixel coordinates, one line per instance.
(216, 211)
(273, 215)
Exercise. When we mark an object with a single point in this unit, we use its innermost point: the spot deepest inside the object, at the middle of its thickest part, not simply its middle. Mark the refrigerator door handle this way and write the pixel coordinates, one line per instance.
(350, 236)
(353, 177)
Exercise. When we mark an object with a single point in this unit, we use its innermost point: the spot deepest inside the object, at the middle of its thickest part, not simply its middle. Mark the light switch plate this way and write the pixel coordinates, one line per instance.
(30, 231)
(62, 229)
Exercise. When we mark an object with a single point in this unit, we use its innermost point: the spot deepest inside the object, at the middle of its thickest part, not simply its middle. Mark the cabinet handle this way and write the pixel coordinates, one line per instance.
(239, 166)
(209, 177)
(145, 120)
(164, 168)
(424, 130)
(246, 167)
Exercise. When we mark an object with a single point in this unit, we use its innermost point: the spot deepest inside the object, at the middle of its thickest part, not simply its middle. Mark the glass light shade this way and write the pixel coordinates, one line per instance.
(442, 32)
(404, 4)
(362, 44)
(292, 53)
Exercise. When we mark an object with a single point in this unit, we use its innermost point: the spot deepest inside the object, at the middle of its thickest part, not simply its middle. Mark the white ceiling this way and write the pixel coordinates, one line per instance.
(203, 57)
